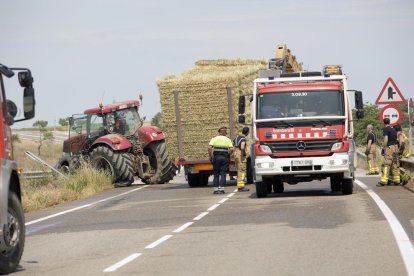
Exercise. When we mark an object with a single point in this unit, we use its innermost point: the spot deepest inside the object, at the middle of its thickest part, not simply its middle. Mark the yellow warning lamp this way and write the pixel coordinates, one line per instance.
(332, 70)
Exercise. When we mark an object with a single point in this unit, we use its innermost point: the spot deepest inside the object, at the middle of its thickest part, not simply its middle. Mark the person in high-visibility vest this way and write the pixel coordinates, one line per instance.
(371, 151)
(219, 150)
(241, 155)
(403, 152)
(390, 153)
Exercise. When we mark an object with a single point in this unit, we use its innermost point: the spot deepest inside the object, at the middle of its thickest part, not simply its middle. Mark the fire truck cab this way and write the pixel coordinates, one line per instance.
(12, 226)
(303, 131)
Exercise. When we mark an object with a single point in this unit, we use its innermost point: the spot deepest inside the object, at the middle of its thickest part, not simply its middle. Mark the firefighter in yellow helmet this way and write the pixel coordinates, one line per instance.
(403, 152)
(219, 150)
(241, 155)
(390, 153)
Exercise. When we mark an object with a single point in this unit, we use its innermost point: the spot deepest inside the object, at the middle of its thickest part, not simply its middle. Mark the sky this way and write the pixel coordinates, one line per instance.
(82, 52)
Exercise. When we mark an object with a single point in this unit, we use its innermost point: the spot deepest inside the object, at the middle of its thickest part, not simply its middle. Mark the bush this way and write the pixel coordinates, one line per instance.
(372, 112)
(43, 193)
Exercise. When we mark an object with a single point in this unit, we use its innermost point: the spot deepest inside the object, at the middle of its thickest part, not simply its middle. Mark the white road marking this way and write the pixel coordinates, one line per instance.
(158, 242)
(200, 216)
(83, 206)
(223, 200)
(213, 207)
(182, 227)
(401, 237)
(230, 195)
(119, 264)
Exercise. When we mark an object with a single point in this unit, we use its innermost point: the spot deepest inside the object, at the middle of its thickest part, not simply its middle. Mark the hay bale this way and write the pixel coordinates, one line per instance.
(202, 95)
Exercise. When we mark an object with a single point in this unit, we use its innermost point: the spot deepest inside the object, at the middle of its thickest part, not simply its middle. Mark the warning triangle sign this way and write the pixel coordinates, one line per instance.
(390, 94)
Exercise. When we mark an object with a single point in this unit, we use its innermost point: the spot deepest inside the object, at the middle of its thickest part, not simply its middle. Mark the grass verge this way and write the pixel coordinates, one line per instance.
(47, 192)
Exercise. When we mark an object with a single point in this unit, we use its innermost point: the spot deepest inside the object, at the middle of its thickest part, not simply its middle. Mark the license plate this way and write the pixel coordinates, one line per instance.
(301, 162)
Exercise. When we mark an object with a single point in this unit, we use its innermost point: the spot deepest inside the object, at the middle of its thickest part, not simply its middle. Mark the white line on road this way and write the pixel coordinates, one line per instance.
(230, 195)
(213, 207)
(83, 206)
(401, 237)
(182, 227)
(200, 216)
(223, 200)
(158, 242)
(119, 264)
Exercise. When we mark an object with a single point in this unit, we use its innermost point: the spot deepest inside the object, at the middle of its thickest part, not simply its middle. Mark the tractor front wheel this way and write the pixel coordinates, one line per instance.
(118, 164)
(163, 170)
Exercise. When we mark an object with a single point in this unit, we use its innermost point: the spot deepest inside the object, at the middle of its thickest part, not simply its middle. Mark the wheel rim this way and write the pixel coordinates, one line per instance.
(103, 164)
(152, 160)
(12, 236)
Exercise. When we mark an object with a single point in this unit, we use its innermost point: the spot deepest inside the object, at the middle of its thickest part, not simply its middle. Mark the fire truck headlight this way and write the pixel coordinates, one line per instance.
(336, 146)
(265, 165)
(265, 148)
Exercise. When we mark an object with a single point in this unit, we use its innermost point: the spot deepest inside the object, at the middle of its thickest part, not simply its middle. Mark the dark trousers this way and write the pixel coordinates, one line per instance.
(220, 168)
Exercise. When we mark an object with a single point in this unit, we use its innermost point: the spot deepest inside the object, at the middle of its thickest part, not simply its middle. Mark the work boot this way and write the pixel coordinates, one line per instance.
(243, 190)
(216, 191)
(221, 190)
(379, 184)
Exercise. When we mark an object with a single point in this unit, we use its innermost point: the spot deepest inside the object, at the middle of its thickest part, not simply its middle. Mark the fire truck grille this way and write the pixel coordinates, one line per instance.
(301, 145)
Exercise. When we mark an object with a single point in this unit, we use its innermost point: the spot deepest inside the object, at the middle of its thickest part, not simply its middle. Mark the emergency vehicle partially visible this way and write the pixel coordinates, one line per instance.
(12, 226)
(302, 129)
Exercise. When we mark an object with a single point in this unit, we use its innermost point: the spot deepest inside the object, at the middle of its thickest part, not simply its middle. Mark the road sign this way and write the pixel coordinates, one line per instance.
(393, 113)
(411, 110)
(390, 94)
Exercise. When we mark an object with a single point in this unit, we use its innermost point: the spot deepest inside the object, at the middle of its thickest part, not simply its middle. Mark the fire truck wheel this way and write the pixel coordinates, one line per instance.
(278, 186)
(347, 186)
(10, 258)
(118, 164)
(262, 189)
(336, 183)
(163, 168)
(249, 171)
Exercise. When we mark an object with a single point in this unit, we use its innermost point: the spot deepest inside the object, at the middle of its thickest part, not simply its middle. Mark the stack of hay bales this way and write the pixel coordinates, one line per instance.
(203, 102)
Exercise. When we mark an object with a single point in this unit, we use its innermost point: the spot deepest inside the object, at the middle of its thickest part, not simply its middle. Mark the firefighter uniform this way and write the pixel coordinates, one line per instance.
(391, 162)
(403, 152)
(221, 146)
(371, 152)
(241, 161)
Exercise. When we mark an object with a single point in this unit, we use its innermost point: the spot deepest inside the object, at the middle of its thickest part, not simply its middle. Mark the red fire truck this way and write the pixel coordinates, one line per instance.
(302, 129)
(12, 227)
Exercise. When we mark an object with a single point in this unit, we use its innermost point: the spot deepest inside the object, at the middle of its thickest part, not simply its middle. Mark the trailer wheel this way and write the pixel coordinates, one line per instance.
(194, 180)
(262, 189)
(10, 258)
(278, 186)
(118, 164)
(336, 182)
(164, 169)
(347, 186)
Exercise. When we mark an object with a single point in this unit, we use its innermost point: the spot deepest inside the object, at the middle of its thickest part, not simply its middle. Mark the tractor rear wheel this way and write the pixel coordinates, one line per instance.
(118, 164)
(163, 169)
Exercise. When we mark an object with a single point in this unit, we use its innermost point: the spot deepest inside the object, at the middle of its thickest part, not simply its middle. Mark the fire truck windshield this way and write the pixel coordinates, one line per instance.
(319, 103)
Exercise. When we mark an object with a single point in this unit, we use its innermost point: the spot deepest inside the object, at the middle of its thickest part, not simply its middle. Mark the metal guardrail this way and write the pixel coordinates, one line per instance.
(36, 174)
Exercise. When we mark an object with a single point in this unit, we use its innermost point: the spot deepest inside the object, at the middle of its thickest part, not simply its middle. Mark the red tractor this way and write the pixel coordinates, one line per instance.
(113, 138)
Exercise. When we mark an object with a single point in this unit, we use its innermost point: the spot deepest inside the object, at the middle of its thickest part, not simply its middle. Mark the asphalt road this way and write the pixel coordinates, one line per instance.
(171, 229)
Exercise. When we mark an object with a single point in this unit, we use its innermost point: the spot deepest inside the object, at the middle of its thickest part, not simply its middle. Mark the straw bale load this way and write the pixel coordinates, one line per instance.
(203, 102)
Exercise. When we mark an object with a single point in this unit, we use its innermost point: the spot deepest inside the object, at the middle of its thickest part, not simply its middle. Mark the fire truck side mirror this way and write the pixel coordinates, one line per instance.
(29, 103)
(359, 102)
(25, 79)
(242, 104)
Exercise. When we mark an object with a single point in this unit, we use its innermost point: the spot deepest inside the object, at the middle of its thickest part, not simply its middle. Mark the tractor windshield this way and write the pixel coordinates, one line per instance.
(124, 121)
